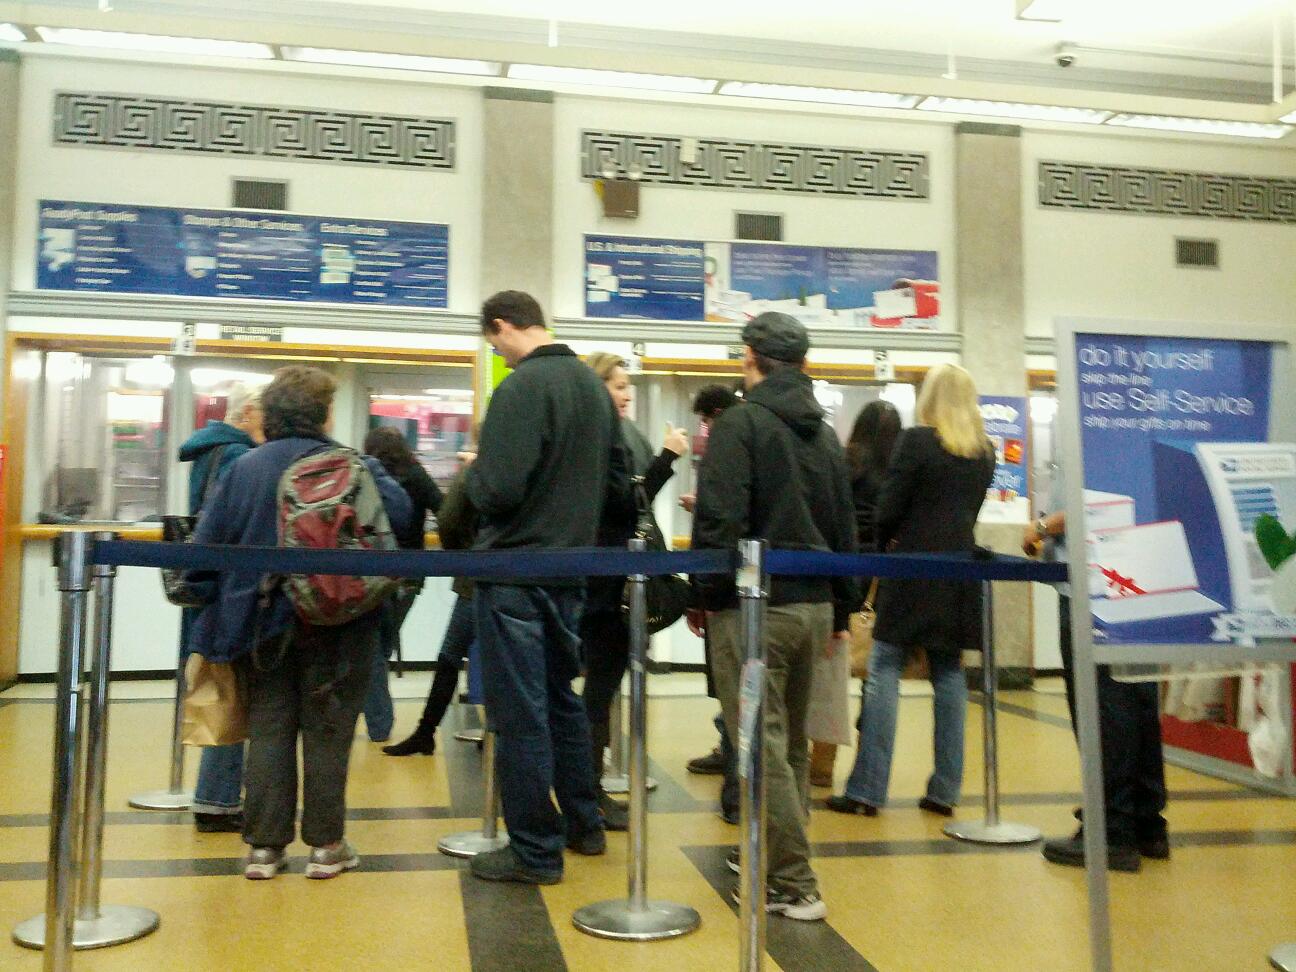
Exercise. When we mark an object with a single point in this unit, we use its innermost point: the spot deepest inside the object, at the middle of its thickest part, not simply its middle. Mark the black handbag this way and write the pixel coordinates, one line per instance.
(186, 588)
(667, 595)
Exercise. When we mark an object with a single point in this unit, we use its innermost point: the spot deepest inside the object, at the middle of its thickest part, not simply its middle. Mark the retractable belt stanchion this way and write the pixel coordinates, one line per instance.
(990, 830)
(751, 757)
(635, 918)
(96, 925)
(1283, 958)
(618, 781)
(473, 842)
(174, 797)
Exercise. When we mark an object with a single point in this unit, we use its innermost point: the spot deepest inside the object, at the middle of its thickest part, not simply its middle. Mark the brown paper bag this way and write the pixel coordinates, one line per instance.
(215, 703)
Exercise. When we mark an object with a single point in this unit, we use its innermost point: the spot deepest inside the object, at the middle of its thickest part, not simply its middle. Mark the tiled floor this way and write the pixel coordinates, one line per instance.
(901, 896)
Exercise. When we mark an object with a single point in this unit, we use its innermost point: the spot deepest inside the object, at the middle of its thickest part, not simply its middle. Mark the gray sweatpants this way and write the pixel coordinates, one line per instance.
(793, 633)
(314, 687)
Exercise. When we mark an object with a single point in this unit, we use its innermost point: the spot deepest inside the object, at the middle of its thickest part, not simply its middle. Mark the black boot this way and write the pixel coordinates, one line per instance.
(423, 741)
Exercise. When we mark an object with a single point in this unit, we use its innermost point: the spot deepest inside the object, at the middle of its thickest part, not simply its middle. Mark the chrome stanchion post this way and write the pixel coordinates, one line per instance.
(475, 734)
(73, 562)
(1283, 958)
(752, 849)
(96, 926)
(618, 781)
(990, 830)
(174, 797)
(470, 843)
(636, 918)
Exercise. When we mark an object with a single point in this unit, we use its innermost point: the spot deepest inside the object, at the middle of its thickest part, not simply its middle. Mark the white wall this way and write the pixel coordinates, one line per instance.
(46, 171)
(1115, 265)
(704, 214)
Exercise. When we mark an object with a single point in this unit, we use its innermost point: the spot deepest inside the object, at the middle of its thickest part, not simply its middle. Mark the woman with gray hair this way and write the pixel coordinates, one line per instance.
(218, 798)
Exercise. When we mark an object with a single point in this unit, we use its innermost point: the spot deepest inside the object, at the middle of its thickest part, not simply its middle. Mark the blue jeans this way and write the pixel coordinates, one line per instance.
(529, 645)
(379, 715)
(220, 768)
(871, 777)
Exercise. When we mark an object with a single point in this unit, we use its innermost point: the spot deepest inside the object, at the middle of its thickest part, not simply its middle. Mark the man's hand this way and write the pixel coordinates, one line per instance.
(676, 440)
(688, 502)
(696, 619)
(1031, 542)
(466, 458)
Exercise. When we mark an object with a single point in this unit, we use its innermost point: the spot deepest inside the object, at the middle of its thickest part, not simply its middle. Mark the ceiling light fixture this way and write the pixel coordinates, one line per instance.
(12, 33)
(1202, 126)
(400, 62)
(549, 74)
(1049, 11)
(153, 43)
(829, 96)
(1015, 110)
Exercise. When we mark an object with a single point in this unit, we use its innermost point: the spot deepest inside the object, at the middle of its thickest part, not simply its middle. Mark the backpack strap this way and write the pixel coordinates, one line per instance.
(213, 473)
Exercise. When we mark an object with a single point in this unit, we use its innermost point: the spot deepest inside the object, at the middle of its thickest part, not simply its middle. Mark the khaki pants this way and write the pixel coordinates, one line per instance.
(793, 632)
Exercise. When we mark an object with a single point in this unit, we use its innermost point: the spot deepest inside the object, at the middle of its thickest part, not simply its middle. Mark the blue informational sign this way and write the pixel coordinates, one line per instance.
(780, 273)
(1178, 469)
(1005, 424)
(644, 279)
(854, 277)
(108, 248)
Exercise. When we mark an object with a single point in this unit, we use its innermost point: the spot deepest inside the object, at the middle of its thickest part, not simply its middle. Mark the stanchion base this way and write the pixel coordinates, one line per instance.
(1283, 958)
(980, 832)
(161, 800)
(470, 844)
(656, 920)
(470, 735)
(621, 784)
(116, 925)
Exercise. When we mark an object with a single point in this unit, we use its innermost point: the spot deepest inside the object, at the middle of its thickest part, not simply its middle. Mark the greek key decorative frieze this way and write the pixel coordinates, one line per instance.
(761, 166)
(1165, 192)
(146, 123)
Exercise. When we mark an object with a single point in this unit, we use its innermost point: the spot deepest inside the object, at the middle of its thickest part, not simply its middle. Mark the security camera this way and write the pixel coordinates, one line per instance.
(1065, 56)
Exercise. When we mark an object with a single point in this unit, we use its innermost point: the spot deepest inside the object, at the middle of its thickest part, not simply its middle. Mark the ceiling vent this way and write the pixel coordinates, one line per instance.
(758, 226)
(260, 194)
(1197, 253)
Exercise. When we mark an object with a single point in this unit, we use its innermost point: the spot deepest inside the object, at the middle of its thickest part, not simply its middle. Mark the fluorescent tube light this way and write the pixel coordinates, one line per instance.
(10, 32)
(1015, 110)
(546, 73)
(1052, 11)
(827, 96)
(1201, 126)
(401, 62)
(153, 43)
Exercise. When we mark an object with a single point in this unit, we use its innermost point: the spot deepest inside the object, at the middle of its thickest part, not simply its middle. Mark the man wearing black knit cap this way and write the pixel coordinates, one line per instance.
(775, 471)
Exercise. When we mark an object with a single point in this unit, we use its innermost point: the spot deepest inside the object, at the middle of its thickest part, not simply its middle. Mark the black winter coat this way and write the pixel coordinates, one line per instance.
(929, 503)
(775, 471)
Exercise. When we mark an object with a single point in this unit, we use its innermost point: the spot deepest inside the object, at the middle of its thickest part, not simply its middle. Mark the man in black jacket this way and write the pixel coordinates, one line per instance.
(550, 452)
(775, 471)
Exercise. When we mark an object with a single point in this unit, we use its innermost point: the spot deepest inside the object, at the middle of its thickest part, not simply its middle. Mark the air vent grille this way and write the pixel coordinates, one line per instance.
(1196, 253)
(758, 226)
(259, 194)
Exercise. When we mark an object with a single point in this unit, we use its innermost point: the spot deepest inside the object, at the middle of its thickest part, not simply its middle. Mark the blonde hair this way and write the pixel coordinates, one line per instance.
(948, 403)
(604, 363)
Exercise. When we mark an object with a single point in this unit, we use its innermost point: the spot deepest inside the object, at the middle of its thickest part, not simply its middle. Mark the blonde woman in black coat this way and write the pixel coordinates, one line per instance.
(928, 503)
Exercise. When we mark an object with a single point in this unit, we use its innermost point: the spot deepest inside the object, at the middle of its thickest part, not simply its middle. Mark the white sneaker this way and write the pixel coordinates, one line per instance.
(808, 907)
(263, 863)
(330, 861)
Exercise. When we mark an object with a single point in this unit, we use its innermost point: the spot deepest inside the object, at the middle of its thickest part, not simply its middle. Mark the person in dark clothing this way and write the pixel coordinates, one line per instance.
(388, 446)
(457, 528)
(303, 680)
(775, 471)
(218, 798)
(550, 458)
(868, 451)
(929, 501)
(605, 631)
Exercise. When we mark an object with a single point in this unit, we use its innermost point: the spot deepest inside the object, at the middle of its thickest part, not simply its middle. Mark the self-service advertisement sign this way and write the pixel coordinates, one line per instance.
(1190, 507)
(1007, 499)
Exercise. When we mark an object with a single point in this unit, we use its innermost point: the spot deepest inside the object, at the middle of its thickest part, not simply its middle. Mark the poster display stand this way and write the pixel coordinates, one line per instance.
(1158, 413)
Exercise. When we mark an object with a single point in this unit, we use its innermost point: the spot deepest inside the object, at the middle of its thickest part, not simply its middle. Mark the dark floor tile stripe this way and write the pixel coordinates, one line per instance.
(508, 927)
(803, 946)
(1026, 712)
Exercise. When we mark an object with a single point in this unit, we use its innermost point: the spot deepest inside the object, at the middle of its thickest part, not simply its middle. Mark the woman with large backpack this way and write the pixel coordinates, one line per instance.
(305, 643)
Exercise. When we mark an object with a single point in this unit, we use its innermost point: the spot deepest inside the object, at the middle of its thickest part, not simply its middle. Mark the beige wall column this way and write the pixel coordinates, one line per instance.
(988, 183)
(9, 71)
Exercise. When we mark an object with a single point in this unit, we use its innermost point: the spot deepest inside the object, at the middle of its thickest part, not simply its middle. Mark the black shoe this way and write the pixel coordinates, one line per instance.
(592, 843)
(419, 744)
(844, 804)
(1070, 852)
(1156, 848)
(616, 815)
(712, 764)
(730, 816)
(218, 823)
(936, 807)
(503, 865)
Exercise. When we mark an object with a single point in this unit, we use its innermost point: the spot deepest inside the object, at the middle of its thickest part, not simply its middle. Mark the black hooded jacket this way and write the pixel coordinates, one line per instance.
(775, 471)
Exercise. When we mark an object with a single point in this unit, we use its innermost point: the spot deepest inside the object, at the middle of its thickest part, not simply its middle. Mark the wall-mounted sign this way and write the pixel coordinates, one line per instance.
(186, 339)
(108, 248)
(252, 332)
(1007, 500)
(691, 280)
(883, 366)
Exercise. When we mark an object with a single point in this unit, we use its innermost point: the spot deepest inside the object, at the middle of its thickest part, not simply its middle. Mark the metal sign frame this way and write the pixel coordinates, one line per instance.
(1087, 655)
